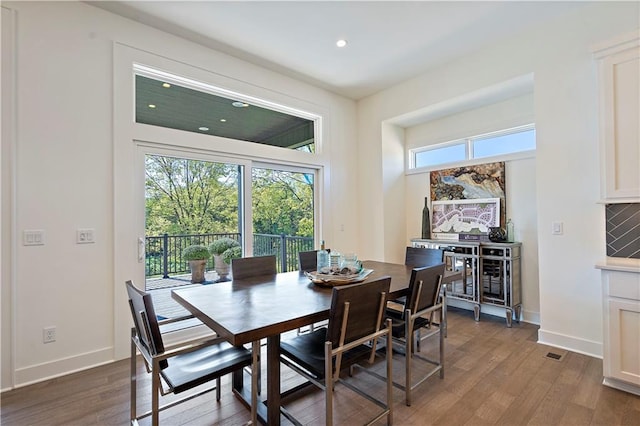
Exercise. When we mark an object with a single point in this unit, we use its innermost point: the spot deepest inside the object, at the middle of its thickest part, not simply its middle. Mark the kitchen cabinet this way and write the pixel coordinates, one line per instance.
(621, 321)
(619, 108)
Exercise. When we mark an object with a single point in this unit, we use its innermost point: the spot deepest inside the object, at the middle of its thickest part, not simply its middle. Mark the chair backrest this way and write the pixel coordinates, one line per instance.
(366, 307)
(247, 267)
(424, 287)
(421, 256)
(308, 260)
(145, 320)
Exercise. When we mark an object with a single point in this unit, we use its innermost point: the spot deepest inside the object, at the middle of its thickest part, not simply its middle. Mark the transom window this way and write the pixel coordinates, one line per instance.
(494, 144)
(164, 103)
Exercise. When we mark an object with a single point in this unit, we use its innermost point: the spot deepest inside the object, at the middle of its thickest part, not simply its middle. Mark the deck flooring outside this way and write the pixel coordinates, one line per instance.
(160, 290)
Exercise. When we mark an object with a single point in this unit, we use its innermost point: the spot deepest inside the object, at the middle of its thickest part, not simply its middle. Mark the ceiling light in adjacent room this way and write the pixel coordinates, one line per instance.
(224, 120)
(203, 129)
(239, 104)
(152, 106)
(166, 85)
(341, 43)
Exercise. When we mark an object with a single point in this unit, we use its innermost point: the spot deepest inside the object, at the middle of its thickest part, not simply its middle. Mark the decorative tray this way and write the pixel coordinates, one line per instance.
(332, 280)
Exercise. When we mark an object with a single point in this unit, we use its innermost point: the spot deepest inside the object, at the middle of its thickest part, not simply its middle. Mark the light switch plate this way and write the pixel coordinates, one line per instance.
(85, 236)
(557, 228)
(33, 237)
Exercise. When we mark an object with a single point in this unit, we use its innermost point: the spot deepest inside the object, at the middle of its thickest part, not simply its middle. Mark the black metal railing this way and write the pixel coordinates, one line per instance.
(163, 254)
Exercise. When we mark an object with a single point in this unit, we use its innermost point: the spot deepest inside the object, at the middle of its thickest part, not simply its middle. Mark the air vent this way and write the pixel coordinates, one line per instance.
(555, 356)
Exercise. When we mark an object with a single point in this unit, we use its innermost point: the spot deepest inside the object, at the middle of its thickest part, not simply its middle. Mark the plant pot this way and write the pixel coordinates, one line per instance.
(222, 268)
(198, 268)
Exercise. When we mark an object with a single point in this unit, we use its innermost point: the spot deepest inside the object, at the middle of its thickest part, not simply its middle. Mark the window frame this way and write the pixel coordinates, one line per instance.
(468, 143)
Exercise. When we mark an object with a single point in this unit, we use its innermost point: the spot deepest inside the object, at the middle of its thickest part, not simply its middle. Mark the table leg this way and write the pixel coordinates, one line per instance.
(273, 380)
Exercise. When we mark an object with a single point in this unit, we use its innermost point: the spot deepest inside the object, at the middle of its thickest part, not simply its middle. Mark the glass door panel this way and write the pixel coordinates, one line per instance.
(283, 214)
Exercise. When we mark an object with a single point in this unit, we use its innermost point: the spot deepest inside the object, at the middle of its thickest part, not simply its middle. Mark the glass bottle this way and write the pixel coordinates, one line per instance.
(510, 231)
(322, 260)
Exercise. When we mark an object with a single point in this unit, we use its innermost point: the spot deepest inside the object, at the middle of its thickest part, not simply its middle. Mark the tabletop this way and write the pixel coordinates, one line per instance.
(243, 311)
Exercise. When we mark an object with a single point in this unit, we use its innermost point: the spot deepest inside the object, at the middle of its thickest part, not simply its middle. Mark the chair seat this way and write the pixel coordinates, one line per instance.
(397, 323)
(307, 350)
(200, 366)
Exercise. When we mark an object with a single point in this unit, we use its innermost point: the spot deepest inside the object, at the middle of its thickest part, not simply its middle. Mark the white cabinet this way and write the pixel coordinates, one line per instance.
(619, 81)
(621, 306)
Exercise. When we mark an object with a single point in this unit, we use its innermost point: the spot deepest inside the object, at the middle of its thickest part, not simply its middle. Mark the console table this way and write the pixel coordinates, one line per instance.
(490, 274)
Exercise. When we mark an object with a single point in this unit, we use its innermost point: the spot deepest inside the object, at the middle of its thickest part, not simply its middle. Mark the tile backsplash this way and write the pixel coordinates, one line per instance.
(623, 230)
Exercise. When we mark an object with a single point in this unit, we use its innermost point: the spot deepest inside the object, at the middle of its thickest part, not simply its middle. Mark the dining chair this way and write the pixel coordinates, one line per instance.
(307, 260)
(422, 302)
(423, 256)
(247, 267)
(355, 324)
(419, 257)
(181, 367)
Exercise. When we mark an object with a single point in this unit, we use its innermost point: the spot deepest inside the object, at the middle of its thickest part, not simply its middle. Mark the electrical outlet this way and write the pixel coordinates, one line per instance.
(48, 334)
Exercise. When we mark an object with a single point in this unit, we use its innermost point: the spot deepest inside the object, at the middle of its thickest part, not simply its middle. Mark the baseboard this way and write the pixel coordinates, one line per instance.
(620, 385)
(61, 367)
(525, 316)
(571, 343)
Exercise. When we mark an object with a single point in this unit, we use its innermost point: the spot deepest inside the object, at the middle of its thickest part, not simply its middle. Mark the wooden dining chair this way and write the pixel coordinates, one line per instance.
(355, 325)
(422, 302)
(182, 367)
(247, 267)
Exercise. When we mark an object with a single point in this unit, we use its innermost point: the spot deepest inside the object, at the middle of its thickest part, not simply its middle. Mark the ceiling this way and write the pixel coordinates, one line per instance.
(388, 41)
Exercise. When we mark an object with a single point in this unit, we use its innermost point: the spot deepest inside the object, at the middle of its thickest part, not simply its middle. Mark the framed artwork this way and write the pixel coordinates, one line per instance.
(479, 182)
(464, 219)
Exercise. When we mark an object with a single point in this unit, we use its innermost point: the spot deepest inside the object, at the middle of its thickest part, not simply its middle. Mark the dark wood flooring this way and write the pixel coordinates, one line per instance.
(494, 376)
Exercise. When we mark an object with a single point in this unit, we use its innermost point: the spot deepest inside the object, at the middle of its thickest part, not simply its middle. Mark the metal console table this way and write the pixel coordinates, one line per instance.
(490, 274)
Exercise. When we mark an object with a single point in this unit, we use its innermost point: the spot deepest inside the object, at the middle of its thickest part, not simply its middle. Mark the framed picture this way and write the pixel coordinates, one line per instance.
(464, 219)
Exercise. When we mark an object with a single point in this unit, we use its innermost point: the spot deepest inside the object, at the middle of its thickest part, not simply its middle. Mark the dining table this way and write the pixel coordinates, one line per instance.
(264, 307)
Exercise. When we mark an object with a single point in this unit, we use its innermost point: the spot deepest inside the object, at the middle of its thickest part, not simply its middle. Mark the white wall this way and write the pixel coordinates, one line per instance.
(520, 181)
(64, 176)
(566, 166)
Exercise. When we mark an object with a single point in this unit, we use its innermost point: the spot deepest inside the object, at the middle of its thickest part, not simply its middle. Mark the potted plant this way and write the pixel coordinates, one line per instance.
(197, 256)
(223, 250)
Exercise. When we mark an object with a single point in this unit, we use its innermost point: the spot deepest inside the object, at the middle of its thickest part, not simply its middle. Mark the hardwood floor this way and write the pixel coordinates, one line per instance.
(493, 376)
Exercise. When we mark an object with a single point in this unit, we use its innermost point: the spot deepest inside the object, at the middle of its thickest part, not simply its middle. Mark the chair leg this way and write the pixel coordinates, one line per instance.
(408, 339)
(389, 375)
(442, 335)
(218, 386)
(155, 393)
(328, 384)
(133, 380)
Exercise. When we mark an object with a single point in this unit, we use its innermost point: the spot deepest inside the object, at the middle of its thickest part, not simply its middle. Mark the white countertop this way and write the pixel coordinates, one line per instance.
(620, 264)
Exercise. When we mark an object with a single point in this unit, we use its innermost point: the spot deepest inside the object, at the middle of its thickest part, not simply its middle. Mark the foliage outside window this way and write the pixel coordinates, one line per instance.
(494, 144)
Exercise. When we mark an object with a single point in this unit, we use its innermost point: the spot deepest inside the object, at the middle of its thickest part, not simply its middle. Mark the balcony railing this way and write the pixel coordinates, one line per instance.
(163, 254)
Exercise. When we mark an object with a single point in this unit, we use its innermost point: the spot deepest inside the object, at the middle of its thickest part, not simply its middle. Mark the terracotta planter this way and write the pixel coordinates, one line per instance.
(198, 268)
(222, 269)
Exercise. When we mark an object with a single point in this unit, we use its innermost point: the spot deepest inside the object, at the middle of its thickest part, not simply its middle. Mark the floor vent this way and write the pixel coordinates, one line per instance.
(555, 356)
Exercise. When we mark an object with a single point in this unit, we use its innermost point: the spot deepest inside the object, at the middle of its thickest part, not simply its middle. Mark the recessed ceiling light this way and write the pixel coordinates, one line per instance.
(167, 85)
(341, 43)
(239, 104)
(152, 106)
(204, 129)
(224, 120)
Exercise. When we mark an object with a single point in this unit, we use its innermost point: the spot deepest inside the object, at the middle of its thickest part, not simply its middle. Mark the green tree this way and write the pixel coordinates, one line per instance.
(282, 202)
(190, 197)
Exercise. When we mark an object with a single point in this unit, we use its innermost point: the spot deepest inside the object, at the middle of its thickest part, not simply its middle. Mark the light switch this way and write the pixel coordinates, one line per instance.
(33, 237)
(85, 236)
(557, 228)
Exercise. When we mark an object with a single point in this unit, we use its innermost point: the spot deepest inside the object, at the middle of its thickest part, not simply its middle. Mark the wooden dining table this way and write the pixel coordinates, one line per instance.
(251, 309)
